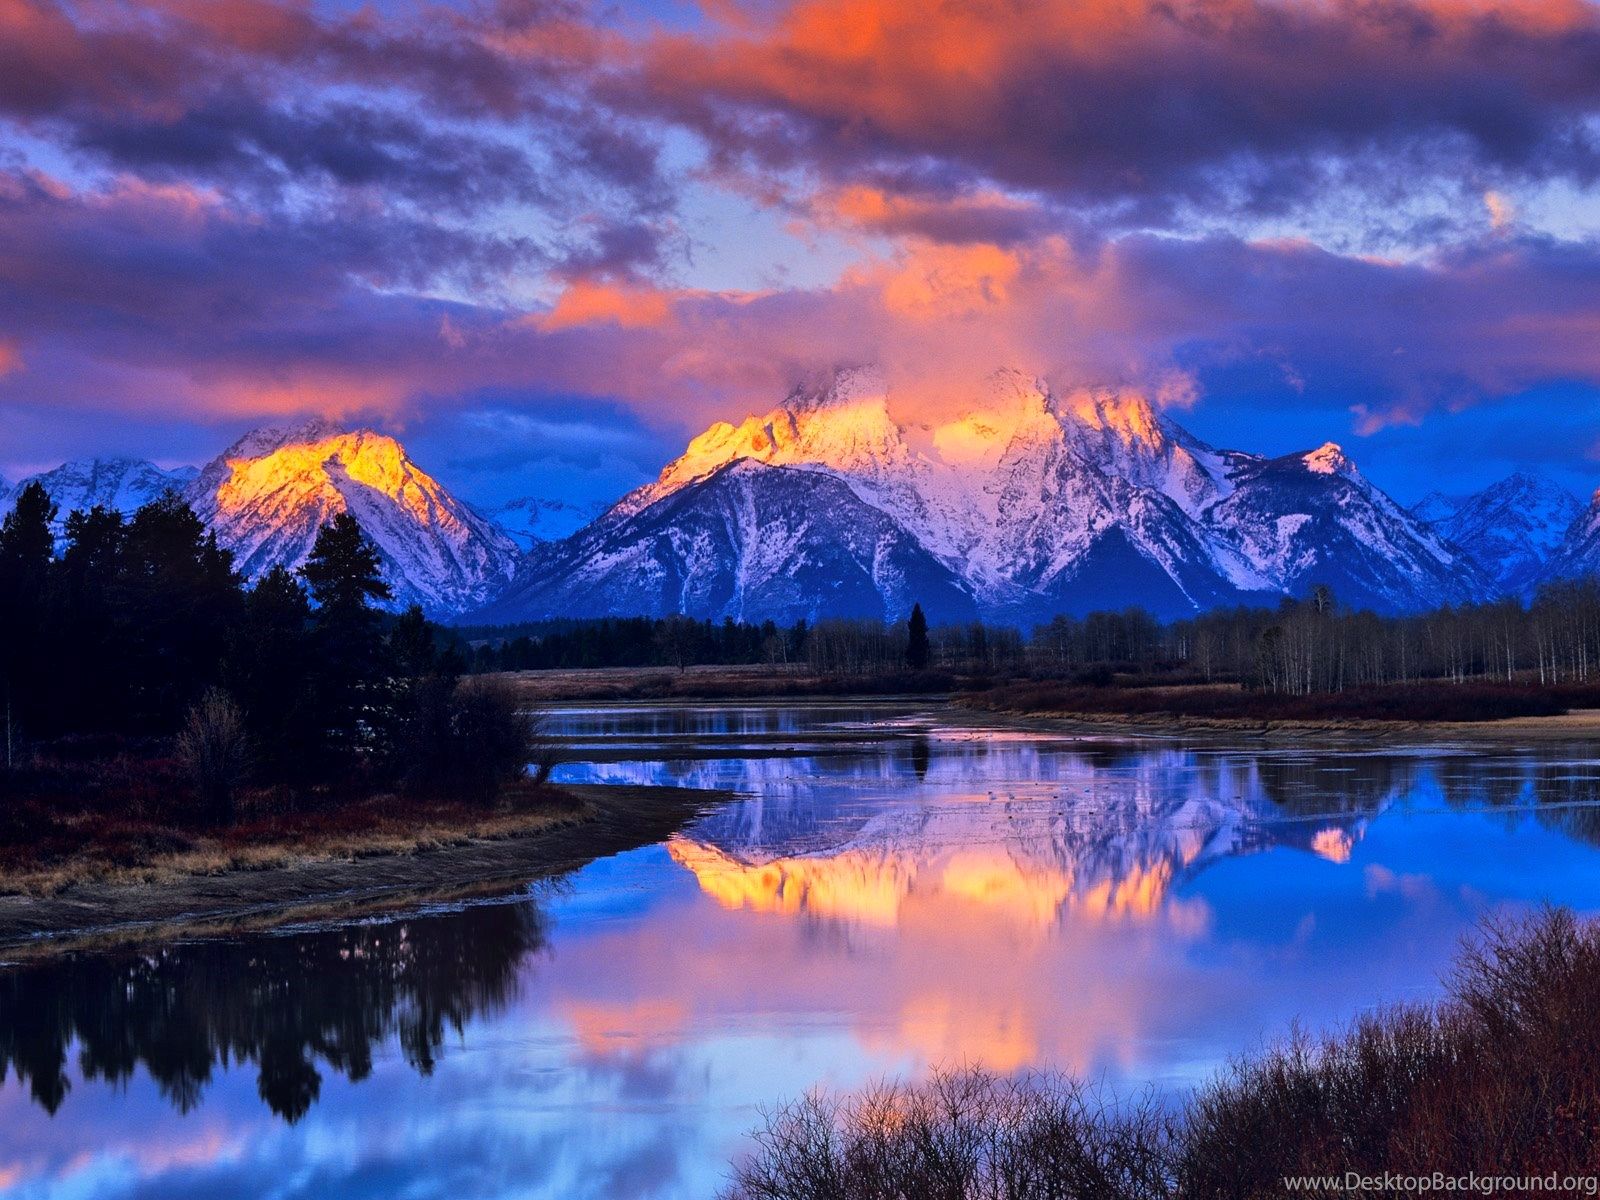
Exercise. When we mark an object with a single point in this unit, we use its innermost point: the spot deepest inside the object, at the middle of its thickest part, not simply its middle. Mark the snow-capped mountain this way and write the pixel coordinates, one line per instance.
(748, 540)
(1307, 519)
(1579, 551)
(1437, 507)
(1512, 530)
(1035, 503)
(269, 493)
(120, 484)
(533, 520)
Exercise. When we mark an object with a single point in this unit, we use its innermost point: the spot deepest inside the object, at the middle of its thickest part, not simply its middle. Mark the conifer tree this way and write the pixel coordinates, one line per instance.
(343, 575)
(27, 550)
(917, 648)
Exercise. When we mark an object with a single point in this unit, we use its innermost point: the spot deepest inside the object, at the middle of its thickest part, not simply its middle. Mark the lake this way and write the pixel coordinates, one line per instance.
(898, 885)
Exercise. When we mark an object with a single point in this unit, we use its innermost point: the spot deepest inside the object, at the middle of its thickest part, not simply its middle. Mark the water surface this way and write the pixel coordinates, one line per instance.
(897, 887)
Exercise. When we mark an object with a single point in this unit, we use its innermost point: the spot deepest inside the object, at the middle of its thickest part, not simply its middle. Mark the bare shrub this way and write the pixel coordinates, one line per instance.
(960, 1135)
(546, 752)
(213, 748)
(1501, 1078)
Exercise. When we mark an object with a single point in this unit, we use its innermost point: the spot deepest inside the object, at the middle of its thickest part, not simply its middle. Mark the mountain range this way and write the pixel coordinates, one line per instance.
(1026, 504)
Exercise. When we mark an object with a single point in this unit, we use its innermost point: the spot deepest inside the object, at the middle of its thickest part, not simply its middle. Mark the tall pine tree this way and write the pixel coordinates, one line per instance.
(27, 550)
(917, 647)
(345, 580)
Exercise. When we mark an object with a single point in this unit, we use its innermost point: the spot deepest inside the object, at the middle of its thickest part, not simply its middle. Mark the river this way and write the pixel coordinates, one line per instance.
(898, 885)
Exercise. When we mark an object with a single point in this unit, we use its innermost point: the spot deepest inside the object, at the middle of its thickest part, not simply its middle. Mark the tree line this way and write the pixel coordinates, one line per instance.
(1302, 647)
(138, 629)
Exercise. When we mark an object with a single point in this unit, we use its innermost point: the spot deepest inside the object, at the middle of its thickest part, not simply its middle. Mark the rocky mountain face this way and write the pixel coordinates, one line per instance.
(1512, 531)
(1033, 503)
(269, 493)
(1578, 552)
(748, 540)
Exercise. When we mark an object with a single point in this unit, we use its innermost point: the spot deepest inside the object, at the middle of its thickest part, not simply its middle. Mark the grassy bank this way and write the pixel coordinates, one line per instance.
(98, 808)
(365, 859)
(1501, 1078)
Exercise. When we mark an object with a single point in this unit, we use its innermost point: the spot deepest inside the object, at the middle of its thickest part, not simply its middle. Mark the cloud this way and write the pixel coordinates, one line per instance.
(135, 296)
(1141, 109)
(262, 206)
(450, 114)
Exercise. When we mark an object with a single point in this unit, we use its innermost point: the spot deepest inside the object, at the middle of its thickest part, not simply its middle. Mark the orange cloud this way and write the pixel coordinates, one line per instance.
(10, 358)
(589, 303)
(937, 282)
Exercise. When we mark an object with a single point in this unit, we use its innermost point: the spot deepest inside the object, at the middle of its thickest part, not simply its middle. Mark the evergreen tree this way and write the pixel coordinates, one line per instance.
(344, 579)
(917, 647)
(269, 668)
(344, 572)
(27, 545)
(91, 593)
(181, 598)
(27, 549)
(413, 648)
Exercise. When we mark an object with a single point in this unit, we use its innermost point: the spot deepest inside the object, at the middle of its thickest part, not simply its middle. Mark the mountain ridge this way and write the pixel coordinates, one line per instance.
(1040, 503)
(1022, 504)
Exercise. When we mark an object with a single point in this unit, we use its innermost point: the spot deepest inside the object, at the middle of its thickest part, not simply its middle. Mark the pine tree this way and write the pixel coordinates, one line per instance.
(269, 668)
(344, 571)
(27, 551)
(917, 647)
(181, 598)
(344, 579)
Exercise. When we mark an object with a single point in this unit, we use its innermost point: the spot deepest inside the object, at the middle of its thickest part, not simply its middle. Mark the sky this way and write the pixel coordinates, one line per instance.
(546, 241)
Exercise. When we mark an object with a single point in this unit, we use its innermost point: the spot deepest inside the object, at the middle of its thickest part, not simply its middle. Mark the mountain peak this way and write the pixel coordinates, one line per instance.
(842, 387)
(1330, 459)
(120, 484)
(270, 493)
(266, 438)
(1121, 412)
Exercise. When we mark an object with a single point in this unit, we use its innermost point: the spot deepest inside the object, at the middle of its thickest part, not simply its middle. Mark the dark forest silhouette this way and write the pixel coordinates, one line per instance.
(287, 1003)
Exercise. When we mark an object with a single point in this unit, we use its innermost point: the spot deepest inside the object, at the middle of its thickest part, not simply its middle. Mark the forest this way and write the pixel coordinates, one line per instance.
(135, 661)
(1302, 647)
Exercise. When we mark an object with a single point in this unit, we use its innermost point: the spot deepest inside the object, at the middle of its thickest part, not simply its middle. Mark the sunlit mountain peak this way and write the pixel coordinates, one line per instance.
(269, 493)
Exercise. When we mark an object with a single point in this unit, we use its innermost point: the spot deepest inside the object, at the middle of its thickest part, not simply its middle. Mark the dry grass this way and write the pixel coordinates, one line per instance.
(86, 846)
(1427, 702)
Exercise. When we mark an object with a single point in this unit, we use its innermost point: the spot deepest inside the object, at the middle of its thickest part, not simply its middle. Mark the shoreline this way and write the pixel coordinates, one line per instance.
(611, 819)
(1577, 725)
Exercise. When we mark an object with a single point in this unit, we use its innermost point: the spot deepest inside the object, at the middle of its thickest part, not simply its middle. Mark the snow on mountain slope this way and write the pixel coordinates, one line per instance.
(748, 541)
(1043, 503)
(1308, 519)
(1578, 553)
(1437, 507)
(121, 484)
(1035, 503)
(532, 520)
(1512, 530)
(268, 494)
